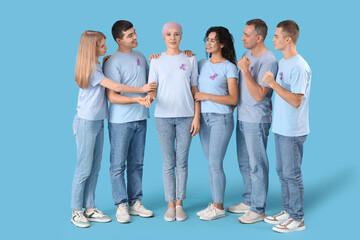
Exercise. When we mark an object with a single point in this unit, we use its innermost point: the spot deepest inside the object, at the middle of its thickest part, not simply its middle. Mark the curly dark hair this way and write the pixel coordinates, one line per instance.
(224, 37)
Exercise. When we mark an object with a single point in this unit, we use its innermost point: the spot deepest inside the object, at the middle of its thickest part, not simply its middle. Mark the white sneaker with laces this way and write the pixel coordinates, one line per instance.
(290, 225)
(278, 218)
(203, 211)
(138, 209)
(211, 213)
(122, 214)
(95, 215)
(79, 220)
(239, 208)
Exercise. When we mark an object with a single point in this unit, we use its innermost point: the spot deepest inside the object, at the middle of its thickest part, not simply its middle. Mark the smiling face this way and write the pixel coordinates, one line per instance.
(129, 40)
(172, 38)
(212, 43)
(280, 40)
(101, 48)
(250, 37)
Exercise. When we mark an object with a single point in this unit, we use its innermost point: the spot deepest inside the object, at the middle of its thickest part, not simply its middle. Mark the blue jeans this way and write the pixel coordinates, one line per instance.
(127, 142)
(175, 139)
(215, 134)
(89, 141)
(289, 153)
(251, 140)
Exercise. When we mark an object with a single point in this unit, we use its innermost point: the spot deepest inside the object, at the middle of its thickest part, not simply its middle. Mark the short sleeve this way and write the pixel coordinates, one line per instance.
(268, 66)
(111, 71)
(232, 71)
(96, 77)
(153, 73)
(194, 72)
(298, 80)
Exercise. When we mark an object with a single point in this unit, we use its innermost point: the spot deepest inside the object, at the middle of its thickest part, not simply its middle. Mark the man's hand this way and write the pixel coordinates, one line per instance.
(155, 55)
(268, 79)
(244, 64)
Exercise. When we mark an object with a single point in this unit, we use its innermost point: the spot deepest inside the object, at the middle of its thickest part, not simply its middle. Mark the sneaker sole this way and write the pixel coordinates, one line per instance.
(78, 225)
(288, 231)
(136, 213)
(99, 220)
(169, 219)
(213, 218)
(123, 221)
(255, 221)
(180, 219)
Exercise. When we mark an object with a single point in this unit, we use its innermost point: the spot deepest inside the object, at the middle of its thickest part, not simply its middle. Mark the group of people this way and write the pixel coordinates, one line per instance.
(192, 97)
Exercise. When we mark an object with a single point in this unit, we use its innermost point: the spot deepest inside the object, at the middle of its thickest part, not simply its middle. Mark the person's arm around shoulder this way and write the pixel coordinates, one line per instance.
(294, 99)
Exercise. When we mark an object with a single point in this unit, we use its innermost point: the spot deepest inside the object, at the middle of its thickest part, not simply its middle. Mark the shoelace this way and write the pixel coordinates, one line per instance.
(80, 215)
(288, 221)
(278, 215)
(209, 208)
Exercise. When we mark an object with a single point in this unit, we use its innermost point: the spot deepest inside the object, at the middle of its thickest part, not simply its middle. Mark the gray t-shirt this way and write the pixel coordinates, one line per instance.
(249, 110)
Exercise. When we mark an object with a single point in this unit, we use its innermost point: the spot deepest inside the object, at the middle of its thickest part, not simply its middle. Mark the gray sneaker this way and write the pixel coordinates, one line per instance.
(170, 214)
(95, 215)
(180, 214)
(252, 217)
(122, 213)
(79, 220)
(138, 209)
(239, 208)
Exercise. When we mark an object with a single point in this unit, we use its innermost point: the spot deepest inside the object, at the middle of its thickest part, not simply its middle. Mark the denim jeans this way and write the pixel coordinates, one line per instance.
(127, 141)
(175, 139)
(251, 140)
(89, 141)
(215, 134)
(289, 153)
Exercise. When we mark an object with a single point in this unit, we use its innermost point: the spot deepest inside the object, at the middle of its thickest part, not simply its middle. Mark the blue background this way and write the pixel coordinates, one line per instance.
(39, 41)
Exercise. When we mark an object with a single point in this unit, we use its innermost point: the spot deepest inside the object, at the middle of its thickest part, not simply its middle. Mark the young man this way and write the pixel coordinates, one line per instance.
(254, 119)
(290, 125)
(127, 123)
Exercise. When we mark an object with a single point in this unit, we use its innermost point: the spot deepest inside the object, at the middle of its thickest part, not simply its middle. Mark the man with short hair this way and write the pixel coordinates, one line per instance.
(127, 123)
(290, 125)
(254, 120)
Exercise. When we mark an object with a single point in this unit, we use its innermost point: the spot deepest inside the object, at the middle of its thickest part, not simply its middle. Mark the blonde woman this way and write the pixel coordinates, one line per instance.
(88, 125)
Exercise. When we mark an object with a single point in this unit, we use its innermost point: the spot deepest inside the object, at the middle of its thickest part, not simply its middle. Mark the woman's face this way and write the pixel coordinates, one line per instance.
(212, 43)
(172, 38)
(101, 48)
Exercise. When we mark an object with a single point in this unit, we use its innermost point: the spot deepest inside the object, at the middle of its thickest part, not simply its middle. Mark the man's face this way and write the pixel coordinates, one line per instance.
(129, 39)
(279, 39)
(250, 37)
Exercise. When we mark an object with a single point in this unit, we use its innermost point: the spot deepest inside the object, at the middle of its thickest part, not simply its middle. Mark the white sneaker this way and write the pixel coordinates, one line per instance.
(95, 215)
(290, 225)
(170, 214)
(211, 213)
(252, 217)
(79, 220)
(138, 209)
(203, 211)
(276, 219)
(239, 208)
(122, 214)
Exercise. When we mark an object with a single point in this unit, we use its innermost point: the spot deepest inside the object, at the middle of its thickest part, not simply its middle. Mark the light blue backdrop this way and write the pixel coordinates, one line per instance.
(39, 41)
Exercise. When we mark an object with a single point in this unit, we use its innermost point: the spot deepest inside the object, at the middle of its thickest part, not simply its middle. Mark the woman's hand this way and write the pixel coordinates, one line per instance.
(149, 87)
(200, 96)
(189, 53)
(195, 126)
(155, 55)
(105, 59)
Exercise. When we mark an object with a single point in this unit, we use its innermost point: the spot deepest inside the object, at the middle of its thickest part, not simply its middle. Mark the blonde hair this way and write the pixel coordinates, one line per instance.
(86, 57)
